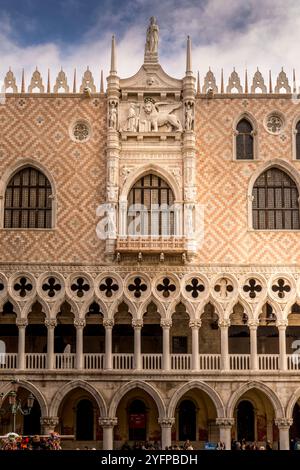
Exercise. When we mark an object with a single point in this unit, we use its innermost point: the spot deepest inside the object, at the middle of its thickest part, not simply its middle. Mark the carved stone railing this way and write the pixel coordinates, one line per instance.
(151, 244)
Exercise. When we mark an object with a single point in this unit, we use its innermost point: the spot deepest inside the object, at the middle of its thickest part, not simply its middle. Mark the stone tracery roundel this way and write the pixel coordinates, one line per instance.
(137, 287)
(194, 287)
(22, 286)
(166, 287)
(108, 286)
(274, 123)
(80, 287)
(80, 131)
(3, 285)
(281, 288)
(223, 289)
(51, 286)
(252, 288)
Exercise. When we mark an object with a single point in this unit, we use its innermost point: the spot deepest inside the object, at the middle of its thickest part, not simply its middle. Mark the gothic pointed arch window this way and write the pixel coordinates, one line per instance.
(28, 202)
(244, 140)
(297, 138)
(150, 208)
(275, 201)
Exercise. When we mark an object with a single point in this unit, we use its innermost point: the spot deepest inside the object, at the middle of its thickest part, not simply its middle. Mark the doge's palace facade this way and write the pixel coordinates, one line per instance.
(182, 320)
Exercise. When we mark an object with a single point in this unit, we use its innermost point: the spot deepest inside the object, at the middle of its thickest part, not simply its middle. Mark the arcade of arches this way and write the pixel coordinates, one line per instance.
(140, 414)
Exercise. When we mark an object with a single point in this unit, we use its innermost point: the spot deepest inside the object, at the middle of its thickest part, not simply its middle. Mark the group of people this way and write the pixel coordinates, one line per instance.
(244, 445)
(13, 441)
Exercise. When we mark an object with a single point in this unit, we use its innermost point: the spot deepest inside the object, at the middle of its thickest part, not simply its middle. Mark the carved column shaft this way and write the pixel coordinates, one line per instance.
(21, 324)
(108, 325)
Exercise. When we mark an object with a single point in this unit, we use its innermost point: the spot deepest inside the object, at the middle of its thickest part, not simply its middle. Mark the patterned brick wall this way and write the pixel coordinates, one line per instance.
(223, 182)
(38, 128)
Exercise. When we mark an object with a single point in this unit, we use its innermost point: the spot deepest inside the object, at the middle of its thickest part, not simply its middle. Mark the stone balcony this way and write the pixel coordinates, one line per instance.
(166, 245)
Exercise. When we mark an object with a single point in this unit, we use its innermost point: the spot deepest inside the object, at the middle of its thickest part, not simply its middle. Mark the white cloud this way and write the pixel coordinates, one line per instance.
(261, 33)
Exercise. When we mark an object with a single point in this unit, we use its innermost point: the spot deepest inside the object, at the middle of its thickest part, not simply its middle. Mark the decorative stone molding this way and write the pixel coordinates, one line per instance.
(52, 323)
(61, 82)
(21, 322)
(79, 323)
(166, 323)
(49, 421)
(88, 82)
(224, 323)
(225, 422)
(195, 324)
(234, 82)
(283, 422)
(137, 323)
(209, 83)
(282, 83)
(166, 422)
(10, 82)
(258, 82)
(108, 422)
(108, 323)
(36, 82)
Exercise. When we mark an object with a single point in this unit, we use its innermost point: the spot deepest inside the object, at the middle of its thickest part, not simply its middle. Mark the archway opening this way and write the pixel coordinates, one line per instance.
(8, 332)
(36, 331)
(254, 419)
(123, 334)
(137, 415)
(151, 331)
(25, 424)
(209, 333)
(238, 334)
(295, 428)
(84, 420)
(293, 329)
(267, 332)
(65, 331)
(195, 416)
(181, 335)
(94, 331)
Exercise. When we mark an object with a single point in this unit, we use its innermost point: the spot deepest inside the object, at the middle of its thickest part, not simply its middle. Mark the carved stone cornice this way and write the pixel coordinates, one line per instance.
(79, 323)
(52, 323)
(166, 422)
(137, 323)
(108, 323)
(225, 422)
(49, 421)
(195, 324)
(166, 323)
(21, 322)
(108, 422)
(283, 422)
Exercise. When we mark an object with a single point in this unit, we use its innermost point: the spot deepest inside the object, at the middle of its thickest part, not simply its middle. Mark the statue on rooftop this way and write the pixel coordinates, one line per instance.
(152, 37)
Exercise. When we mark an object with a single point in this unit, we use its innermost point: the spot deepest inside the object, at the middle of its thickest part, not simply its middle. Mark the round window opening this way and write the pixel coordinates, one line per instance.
(274, 124)
(81, 131)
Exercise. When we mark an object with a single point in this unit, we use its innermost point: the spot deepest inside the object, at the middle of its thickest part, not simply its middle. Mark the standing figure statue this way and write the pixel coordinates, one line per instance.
(189, 117)
(152, 37)
(113, 115)
(132, 119)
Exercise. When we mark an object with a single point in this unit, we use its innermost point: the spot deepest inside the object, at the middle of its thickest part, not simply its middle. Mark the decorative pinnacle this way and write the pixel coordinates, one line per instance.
(113, 61)
(188, 56)
(101, 83)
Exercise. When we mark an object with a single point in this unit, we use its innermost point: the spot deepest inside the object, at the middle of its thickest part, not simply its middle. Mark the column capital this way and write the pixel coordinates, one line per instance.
(50, 323)
(166, 323)
(21, 322)
(253, 324)
(79, 323)
(225, 422)
(166, 422)
(282, 324)
(283, 422)
(195, 324)
(108, 422)
(138, 323)
(49, 421)
(108, 323)
(224, 323)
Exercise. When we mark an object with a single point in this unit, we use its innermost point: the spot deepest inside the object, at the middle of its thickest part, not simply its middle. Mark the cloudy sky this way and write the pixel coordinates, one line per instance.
(77, 33)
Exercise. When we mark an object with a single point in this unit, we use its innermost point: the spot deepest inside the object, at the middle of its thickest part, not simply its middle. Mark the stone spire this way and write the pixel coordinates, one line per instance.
(270, 82)
(101, 83)
(74, 82)
(222, 81)
(48, 82)
(113, 60)
(188, 70)
(23, 82)
(151, 45)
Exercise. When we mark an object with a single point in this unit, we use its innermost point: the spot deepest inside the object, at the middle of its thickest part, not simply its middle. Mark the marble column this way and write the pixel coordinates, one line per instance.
(195, 325)
(224, 325)
(225, 425)
(108, 325)
(48, 424)
(137, 325)
(21, 324)
(79, 324)
(50, 324)
(284, 432)
(108, 432)
(282, 325)
(253, 324)
(166, 432)
(166, 360)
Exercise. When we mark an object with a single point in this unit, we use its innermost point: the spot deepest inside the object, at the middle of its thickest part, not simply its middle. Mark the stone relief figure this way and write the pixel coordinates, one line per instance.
(156, 117)
(132, 119)
(112, 115)
(189, 117)
(152, 37)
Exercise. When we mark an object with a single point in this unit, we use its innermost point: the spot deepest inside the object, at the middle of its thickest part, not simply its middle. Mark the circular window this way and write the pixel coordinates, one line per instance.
(274, 123)
(81, 131)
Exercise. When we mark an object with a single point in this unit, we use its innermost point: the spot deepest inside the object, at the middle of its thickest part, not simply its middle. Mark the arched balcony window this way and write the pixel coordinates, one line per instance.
(244, 140)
